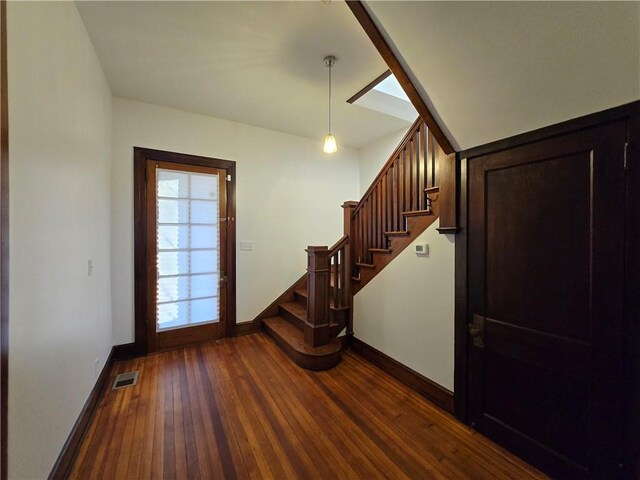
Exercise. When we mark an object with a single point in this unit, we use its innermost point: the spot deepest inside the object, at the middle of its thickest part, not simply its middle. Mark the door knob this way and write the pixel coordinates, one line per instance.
(476, 331)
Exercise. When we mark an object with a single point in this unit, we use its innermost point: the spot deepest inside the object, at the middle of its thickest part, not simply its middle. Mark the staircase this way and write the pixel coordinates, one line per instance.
(401, 203)
(289, 326)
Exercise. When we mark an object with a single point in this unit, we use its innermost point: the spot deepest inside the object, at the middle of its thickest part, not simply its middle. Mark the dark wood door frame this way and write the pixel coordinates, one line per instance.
(4, 240)
(140, 157)
(632, 289)
(631, 114)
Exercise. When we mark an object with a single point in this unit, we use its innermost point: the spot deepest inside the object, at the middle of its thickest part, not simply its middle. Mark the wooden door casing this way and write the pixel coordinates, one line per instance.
(144, 168)
(546, 275)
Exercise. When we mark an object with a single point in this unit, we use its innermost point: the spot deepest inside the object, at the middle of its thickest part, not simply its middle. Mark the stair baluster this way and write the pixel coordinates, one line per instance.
(398, 188)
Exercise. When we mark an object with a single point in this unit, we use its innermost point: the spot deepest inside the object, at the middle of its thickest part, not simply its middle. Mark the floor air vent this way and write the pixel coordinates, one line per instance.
(125, 380)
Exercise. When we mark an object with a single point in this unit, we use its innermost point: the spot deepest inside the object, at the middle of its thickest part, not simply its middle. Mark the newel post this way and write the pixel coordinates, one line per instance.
(349, 231)
(316, 331)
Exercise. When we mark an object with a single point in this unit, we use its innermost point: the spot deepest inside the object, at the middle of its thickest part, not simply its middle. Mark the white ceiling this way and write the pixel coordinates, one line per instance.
(495, 69)
(258, 63)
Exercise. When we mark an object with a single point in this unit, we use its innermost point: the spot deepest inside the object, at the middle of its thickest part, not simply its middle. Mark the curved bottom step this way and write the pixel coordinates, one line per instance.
(291, 340)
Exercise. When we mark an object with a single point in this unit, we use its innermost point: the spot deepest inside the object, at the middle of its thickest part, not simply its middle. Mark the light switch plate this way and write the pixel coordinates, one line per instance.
(246, 246)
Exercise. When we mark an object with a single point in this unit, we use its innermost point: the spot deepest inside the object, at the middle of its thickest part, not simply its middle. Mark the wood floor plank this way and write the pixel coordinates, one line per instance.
(355, 446)
(228, 456)
(274, 385)
(375, 430)
(236, 411)
(417, 429)
(292, 449)
(112, 452)
(384, 429)
(157, 462)
(336, 444)
(452, 431)
(151, 379)
(168, 437)
(128, 424)
(204, 440)
(268, 440)
(240, 409)
(301, 415)
(388, 409)
(139, 421)
(180, 459)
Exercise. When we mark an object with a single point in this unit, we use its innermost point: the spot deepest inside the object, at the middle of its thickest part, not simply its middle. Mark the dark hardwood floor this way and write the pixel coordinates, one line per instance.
(239, 408)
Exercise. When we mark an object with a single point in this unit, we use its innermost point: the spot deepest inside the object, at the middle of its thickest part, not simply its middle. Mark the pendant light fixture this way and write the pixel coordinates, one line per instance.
(330, 140)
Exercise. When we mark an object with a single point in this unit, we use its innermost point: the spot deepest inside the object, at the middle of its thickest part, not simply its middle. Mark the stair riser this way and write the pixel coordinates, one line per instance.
(300, 298)
(292, 319)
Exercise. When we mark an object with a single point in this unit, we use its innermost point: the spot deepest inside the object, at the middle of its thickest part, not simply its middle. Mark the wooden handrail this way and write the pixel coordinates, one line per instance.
(339, 244)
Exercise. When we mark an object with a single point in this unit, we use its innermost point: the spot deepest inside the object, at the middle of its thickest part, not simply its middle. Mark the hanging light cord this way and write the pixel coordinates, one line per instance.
(330, 95)
(330, 141)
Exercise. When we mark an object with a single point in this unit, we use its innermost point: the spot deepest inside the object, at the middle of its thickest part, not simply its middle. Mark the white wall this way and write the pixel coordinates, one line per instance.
(60, 142)
(375, 155)
(407, 310)
(288, 197)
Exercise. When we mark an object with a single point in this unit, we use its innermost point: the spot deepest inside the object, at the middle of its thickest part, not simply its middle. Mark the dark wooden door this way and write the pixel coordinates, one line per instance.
(186, 254)
(546, 267)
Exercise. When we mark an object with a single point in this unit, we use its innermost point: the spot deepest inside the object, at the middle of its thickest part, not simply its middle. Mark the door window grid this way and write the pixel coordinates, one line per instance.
(187, 289)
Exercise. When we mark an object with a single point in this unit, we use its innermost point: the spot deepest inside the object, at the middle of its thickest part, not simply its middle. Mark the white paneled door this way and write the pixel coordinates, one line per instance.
(187, 238)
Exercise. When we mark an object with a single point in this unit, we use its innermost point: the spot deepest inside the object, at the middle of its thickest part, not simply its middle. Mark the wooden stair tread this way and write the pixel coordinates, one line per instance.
(295, 337)
(296, 309)
(303, 292)
(294, 313)
(291, 339)
(380, 250)
(400, 233)
(365, 265)
(415, 213)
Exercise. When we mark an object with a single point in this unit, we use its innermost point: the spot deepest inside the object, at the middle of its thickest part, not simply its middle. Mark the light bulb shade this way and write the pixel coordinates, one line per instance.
(330, 144)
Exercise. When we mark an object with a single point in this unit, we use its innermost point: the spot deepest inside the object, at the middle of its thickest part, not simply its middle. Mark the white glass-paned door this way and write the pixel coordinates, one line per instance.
(188, 239)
